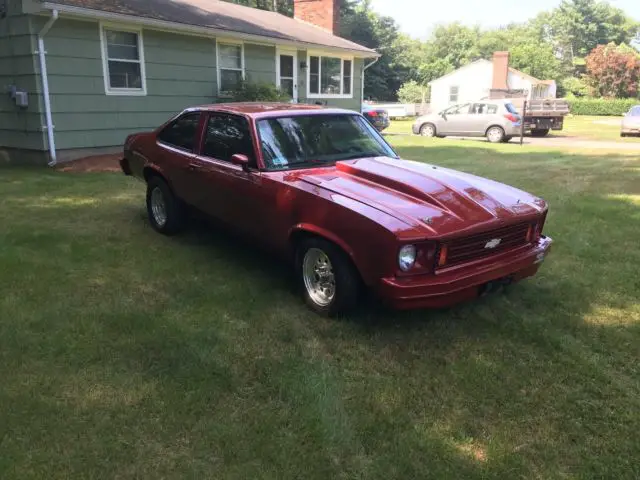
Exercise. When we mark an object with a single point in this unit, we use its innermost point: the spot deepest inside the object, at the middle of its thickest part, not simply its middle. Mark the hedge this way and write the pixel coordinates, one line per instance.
(601, 106)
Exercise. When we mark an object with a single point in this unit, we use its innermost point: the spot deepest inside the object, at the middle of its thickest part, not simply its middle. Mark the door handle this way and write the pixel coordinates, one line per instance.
(194, 166)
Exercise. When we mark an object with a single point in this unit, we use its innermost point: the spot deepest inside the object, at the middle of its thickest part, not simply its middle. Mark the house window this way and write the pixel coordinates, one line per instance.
(453, 94)
(230, 66)
(330, 77)
(123, 61)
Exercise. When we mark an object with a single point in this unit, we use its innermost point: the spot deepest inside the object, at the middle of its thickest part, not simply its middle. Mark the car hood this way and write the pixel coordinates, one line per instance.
(434, 201)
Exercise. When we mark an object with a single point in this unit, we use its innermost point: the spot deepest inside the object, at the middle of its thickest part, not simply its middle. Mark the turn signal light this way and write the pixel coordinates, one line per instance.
(442, 257)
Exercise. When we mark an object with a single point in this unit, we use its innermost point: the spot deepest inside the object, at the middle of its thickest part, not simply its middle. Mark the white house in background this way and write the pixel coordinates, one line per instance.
(476, 80)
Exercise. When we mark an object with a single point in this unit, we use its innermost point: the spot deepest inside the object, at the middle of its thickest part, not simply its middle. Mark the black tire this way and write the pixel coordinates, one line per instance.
(428, 130)
(173, 208)
(539, 132)
(507, 139)
(346, 278)
(495, 134)
(624, 135)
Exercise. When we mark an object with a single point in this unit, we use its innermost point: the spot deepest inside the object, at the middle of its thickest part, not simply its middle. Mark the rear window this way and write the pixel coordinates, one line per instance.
(511, 108)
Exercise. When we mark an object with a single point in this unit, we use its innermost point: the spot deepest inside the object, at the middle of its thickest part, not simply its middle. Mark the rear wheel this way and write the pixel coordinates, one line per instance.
(495, 134)
(329, 280)
(428, 130)
(165, 210)
(539, 132)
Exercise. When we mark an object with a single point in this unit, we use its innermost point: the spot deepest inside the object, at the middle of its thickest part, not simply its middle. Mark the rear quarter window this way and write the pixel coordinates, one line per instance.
(511, 108)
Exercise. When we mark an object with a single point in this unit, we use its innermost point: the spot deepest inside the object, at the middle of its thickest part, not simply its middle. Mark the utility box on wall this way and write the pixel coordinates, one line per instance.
(22, 99)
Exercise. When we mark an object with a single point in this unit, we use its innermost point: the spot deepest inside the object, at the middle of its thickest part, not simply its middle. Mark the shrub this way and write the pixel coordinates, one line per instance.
(412, 92)
(259, 92)
(601, 106)
(575, 87)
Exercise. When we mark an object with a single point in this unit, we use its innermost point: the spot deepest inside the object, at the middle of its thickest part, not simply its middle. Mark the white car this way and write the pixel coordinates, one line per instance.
(631, 123)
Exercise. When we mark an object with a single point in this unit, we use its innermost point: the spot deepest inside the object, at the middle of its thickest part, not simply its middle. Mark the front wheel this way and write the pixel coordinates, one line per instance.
(428, 130)
(328, 278)
(539, 132)
(495, 134)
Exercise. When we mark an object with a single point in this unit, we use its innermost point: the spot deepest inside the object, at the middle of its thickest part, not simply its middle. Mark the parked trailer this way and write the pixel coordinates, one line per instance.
(401, 110)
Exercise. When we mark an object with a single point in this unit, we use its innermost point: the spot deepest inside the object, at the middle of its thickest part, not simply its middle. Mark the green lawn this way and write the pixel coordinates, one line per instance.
(582, 127)
(125, 354)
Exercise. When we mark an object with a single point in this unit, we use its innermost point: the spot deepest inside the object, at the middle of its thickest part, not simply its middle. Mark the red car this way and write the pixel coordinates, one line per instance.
(322, 187)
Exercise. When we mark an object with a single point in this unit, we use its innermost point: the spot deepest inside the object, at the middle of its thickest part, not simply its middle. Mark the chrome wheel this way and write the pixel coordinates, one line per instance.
(495, 135)
(158, 207)
(428, 130)
(319, 279)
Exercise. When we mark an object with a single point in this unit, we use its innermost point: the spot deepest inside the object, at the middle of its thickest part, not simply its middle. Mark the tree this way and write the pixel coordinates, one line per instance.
(538, 60)
(412, 92)
(577, 26)
(613, 71)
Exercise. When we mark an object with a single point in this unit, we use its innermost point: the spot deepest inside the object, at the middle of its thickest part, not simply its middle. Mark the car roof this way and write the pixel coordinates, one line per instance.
(266, 109)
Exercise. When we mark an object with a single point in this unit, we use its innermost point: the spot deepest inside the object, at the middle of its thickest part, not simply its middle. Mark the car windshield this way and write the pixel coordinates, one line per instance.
(313, 140)
(635, 111)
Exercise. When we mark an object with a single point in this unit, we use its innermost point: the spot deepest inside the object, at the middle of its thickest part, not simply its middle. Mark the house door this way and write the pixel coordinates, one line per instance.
(287, 73)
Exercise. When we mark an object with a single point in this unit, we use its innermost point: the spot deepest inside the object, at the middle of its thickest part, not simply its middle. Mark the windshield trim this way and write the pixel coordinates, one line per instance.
(368, 126)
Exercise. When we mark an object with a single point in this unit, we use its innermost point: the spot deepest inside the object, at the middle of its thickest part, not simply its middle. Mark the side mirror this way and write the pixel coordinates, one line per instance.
(443, 115)
(240, 159)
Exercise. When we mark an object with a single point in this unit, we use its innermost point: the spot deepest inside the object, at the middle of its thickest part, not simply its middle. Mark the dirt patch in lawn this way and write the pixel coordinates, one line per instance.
(95, 163)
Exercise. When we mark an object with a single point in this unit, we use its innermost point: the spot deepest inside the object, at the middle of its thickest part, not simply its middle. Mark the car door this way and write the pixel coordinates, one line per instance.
(453, 120)
(229, 191)
(480, 115)
(176, 143)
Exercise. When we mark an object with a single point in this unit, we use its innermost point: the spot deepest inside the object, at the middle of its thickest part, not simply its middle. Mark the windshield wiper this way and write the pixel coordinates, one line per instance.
(355, 156)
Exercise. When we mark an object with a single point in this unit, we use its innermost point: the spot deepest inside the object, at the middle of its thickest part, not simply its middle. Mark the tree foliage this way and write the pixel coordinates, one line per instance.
(613, 71)
(412, 92)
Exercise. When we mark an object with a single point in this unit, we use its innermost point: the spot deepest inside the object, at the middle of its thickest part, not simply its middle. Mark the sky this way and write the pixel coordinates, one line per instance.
(417, 17)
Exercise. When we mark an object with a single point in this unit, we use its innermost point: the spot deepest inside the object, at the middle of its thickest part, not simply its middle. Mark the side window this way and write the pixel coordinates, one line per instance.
(227, 135)
(181, 132)
(479, 109)
(492, 109)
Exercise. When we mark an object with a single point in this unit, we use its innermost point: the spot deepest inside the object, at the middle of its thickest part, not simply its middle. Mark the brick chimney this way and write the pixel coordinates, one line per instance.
(323, 13)
(500, 70)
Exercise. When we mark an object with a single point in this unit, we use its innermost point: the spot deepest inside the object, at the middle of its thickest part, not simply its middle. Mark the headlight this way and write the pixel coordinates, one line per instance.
(407, 257)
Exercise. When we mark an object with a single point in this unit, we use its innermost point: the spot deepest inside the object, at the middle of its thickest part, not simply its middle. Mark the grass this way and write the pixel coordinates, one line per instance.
(580, 127)
(125, 354)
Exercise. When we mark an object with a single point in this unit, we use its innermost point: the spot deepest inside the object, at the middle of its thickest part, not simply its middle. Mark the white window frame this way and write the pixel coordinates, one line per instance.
(225, 41)
(457, 100)
(332, 55)
(105, 60)
(294, 54)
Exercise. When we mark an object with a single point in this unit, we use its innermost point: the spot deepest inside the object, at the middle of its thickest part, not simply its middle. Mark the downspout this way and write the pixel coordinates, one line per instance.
(364, 69)
(45, 87)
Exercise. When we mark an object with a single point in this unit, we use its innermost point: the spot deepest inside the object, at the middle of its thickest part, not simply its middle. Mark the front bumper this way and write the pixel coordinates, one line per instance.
(415, 128)
(631, 130)
(455, 285)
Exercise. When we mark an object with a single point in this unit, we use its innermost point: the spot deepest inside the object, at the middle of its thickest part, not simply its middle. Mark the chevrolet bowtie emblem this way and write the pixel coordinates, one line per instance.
(493, 243)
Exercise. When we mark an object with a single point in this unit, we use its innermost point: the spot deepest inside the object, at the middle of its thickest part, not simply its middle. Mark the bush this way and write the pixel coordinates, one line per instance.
(575, 87)
(259, 92)
(412, 92)
(601, 106)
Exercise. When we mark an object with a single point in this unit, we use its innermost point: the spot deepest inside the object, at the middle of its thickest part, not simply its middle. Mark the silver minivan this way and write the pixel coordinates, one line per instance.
(498, 120)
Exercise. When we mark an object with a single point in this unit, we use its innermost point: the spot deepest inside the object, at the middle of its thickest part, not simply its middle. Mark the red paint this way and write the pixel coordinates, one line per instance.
(370, 207)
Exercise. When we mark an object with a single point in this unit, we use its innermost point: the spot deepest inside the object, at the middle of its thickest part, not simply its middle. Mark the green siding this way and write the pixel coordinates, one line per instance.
(19, 127)
(180, 72)
(260, 63)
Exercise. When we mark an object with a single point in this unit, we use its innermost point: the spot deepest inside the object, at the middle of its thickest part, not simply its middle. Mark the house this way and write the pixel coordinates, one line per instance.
(78, 76)
(476, 80)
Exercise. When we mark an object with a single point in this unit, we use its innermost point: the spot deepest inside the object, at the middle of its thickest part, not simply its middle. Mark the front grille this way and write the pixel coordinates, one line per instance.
(474, 247)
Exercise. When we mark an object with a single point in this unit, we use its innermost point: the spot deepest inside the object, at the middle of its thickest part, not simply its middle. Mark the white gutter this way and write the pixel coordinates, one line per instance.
(375, 60)
(45, 87)
(164, 25)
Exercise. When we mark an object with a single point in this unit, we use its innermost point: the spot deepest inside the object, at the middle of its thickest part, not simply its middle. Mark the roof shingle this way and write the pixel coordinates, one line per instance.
(222, 16)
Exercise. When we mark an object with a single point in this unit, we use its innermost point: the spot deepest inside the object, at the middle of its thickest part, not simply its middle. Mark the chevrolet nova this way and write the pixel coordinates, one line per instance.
(322, 187)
